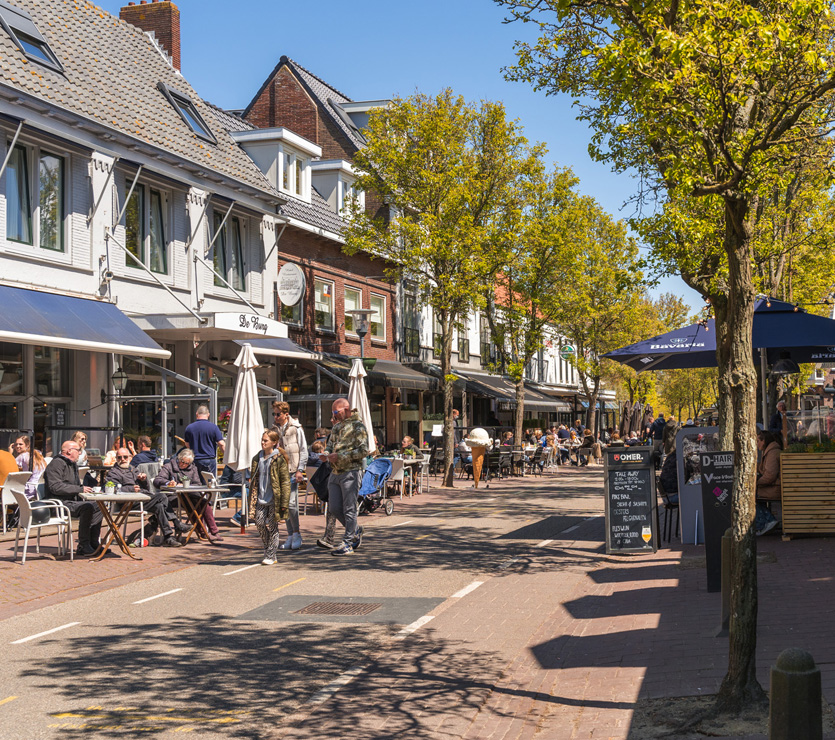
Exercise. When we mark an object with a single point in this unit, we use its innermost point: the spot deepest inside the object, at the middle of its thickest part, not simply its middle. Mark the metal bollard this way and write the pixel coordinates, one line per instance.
(795, 712)
(724, 627)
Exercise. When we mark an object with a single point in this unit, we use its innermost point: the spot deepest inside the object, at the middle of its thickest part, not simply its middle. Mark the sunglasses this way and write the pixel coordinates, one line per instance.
(123, 457)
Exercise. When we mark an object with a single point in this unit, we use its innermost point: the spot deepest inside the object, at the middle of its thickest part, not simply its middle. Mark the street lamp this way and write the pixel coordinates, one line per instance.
(361, 316)
(214, 383)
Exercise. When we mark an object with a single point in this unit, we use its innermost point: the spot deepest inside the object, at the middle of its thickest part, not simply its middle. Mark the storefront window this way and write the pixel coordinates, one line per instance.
(52, 372)
(11, 360)
(324, 304)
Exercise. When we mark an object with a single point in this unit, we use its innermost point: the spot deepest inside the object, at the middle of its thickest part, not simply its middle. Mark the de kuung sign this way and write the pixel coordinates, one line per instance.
(631, 524)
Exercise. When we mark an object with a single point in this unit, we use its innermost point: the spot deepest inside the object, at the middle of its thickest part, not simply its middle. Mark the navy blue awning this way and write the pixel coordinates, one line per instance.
(52, 320)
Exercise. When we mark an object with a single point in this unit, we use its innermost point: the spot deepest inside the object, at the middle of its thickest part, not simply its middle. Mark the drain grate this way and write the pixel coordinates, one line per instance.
(337, 608)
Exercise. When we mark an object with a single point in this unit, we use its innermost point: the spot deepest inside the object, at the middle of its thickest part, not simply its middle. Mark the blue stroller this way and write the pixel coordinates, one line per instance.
(372, 493)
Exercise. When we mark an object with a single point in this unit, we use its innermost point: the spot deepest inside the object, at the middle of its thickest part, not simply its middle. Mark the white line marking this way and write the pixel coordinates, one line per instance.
(544, 543)
(487, 500)
(414, 626)
(590, 518)
(570, 529)
(247, 567)
(42, 634)
(158, 596)
(400, 524)
(466, 590)
(343, 679)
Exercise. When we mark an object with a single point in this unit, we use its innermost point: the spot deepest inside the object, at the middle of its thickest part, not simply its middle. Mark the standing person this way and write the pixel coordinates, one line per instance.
(61, 481)
(203, 438)
(779, 424)
(269, 493)
(292, 440)
(346, 449)
(21, 449)
(658, 432)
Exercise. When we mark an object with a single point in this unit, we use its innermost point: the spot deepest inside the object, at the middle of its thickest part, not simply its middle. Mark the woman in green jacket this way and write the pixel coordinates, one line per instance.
(269, 493)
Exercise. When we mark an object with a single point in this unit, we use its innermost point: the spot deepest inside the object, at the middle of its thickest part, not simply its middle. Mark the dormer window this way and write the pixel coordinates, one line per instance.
(185, 106)
(349, 193)
(26, 36)
(294, 174)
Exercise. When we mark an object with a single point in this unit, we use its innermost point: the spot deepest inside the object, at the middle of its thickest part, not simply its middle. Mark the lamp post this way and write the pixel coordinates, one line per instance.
(361, 316)
(120, 381)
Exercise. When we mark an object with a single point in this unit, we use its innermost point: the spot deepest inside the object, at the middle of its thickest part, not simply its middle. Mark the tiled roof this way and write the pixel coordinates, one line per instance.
(111, 72)
(229, 120)
(316, 213)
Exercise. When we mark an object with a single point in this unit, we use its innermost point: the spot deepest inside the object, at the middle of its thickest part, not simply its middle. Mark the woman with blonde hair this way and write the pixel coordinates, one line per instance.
(269, 493)
(21, 448)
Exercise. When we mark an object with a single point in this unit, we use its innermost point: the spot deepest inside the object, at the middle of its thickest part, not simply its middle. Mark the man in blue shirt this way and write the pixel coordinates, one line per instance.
(203, 438)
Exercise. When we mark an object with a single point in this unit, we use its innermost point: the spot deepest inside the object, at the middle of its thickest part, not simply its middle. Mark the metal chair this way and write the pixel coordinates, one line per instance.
(534, 463)
(14, 482)
(59, 517)
(209, 479)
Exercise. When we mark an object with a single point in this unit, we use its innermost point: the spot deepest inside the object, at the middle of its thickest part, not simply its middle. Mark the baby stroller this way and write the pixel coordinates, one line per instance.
(372, 493)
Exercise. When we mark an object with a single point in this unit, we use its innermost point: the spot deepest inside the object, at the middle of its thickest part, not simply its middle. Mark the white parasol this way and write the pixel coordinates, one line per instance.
(358, 399)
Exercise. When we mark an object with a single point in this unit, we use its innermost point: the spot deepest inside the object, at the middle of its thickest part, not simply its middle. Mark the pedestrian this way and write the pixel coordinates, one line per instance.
(203, 438)
(291, 436)
(658, 433)
(269, 493)
(346, 449)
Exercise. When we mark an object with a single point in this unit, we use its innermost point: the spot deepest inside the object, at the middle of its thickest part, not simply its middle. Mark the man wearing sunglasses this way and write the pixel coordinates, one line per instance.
(133, 481)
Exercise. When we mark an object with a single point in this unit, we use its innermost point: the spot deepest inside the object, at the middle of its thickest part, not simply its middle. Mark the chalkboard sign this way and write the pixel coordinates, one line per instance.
(717, 487)
(631, 524)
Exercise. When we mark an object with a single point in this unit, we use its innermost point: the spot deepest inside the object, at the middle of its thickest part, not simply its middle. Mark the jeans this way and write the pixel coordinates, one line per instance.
(763, 517)
(293, 515)
(342, 500)
(206, 465)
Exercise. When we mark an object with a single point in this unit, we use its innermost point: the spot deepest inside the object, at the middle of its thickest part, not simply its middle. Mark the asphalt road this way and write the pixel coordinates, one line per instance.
(221, 650)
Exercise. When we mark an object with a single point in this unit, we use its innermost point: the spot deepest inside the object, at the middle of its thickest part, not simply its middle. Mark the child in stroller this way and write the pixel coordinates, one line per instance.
(372, 493)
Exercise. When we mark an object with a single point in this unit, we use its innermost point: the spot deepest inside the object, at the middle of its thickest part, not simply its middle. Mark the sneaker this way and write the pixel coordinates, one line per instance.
(358, 539)
(287, 544)
(343, 549)
(767, 527)
(237, 518)
(269, 561)
(296, 541)
(325, 544)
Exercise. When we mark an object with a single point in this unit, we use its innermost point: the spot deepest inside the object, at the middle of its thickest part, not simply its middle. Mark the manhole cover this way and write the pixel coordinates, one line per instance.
(339, 608)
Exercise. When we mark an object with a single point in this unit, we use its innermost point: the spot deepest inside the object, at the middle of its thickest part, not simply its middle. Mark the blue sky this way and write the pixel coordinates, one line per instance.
(372, 49)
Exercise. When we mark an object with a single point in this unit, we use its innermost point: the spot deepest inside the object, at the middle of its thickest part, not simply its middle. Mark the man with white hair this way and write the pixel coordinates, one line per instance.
(61, 482)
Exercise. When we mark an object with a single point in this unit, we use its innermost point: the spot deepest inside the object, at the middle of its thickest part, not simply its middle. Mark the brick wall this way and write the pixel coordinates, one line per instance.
(322, 258)
(161, 17)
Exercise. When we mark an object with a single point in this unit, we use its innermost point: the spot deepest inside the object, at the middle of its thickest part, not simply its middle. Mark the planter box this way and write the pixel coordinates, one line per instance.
(807, 483)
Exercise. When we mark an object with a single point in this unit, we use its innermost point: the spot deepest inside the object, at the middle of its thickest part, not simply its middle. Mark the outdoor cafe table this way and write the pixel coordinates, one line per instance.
(192, 508)
(125, 502)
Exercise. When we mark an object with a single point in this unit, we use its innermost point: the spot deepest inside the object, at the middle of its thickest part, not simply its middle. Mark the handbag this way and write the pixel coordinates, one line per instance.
(319, 481)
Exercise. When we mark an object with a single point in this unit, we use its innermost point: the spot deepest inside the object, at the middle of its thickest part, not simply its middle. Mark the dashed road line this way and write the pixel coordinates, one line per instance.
(239, 570)
(570, 529)
(43, 634)
(400, 524)
(7, 700)
(343, 679)
(158, 596)
(298, 580)
(414, 626)
(544, 543)
(466, 590)
(423, 536)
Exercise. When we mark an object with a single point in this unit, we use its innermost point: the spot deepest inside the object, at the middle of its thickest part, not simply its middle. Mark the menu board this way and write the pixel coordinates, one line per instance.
(631, 524)
(717, 495)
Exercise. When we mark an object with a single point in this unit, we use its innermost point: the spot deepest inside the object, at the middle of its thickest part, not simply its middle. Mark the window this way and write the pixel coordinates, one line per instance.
(49, 189)
(377, 320)
(323, 308)
(463, 349)
(228, 252)
(411, 327)
(288, 314)
(188, 112)
(298, 175)
(486, 346)
(353, 300)
(437, 338)
(287, 171)
(26, 36)
(348, 191)
(145, 230)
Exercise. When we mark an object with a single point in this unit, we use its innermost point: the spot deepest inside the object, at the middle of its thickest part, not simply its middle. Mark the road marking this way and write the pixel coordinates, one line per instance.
(423, 537)
(466, 590)
(570, 529)
(414, 626)
(43, 634)
(544, 543)
(298, 580)
(400, 524)
(7, 700)
(247, 567)
(158, 596)
(343, 679)
(590, 518)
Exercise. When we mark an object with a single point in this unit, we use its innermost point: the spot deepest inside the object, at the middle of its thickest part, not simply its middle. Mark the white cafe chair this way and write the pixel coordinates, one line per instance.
(14, 482)
(398, 474)
(210, 480)
(59, 516)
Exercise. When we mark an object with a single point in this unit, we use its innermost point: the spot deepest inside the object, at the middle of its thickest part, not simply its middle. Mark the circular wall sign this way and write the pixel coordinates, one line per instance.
(290, 284)
(566, 352)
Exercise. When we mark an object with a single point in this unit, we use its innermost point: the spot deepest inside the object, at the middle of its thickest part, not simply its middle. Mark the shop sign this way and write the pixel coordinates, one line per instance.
(566, 352)
(250, 323)
(290, 284)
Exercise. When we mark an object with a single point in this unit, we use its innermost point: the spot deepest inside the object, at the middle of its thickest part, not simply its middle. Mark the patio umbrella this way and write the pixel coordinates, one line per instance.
(625, 419)
(246, 424)
(358, 399)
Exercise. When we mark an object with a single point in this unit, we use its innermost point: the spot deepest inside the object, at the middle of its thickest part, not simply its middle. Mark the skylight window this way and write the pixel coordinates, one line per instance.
(26, 36)
(188, 112)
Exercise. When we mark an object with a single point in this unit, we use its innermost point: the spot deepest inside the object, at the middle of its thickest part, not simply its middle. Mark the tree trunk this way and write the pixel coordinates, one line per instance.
(446, 369)
(737, 377)
(520, 412)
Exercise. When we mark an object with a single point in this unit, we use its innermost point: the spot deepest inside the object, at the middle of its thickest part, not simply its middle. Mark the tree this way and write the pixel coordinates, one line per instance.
(712, 103)
(448, 171)
(526, 296)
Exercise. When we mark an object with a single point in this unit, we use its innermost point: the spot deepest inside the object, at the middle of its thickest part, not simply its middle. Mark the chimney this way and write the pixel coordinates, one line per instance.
(160, 16)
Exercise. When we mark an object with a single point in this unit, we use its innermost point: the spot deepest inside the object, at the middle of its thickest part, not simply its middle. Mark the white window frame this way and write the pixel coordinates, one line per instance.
(316, 324)
(382, 321)
(297, 190)
(33, 153)
(224, 241)
(166, 196)
(348, 188)
(358, 291)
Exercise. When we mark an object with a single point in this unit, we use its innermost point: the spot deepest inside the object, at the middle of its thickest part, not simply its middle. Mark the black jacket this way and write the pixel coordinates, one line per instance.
(125, 476)
(61, 480)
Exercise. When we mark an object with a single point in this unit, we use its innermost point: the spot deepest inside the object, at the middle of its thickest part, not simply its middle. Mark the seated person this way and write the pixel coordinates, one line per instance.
(669, 477)
(174, 473)
(632, 439)
(586, 449)
(317, 448)
(407, 445)
(122, 474)
(615, 440)
(768, 479)
(507, 439)
(38, 465)
(145, 454)
(61, 482)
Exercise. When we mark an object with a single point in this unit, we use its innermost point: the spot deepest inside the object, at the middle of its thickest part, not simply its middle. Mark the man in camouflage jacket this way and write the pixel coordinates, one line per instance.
(346, 450)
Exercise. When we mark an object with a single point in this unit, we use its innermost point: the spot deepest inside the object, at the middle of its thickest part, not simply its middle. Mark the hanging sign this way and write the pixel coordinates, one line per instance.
(630, 500)
(290, 284)
(566, 352)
